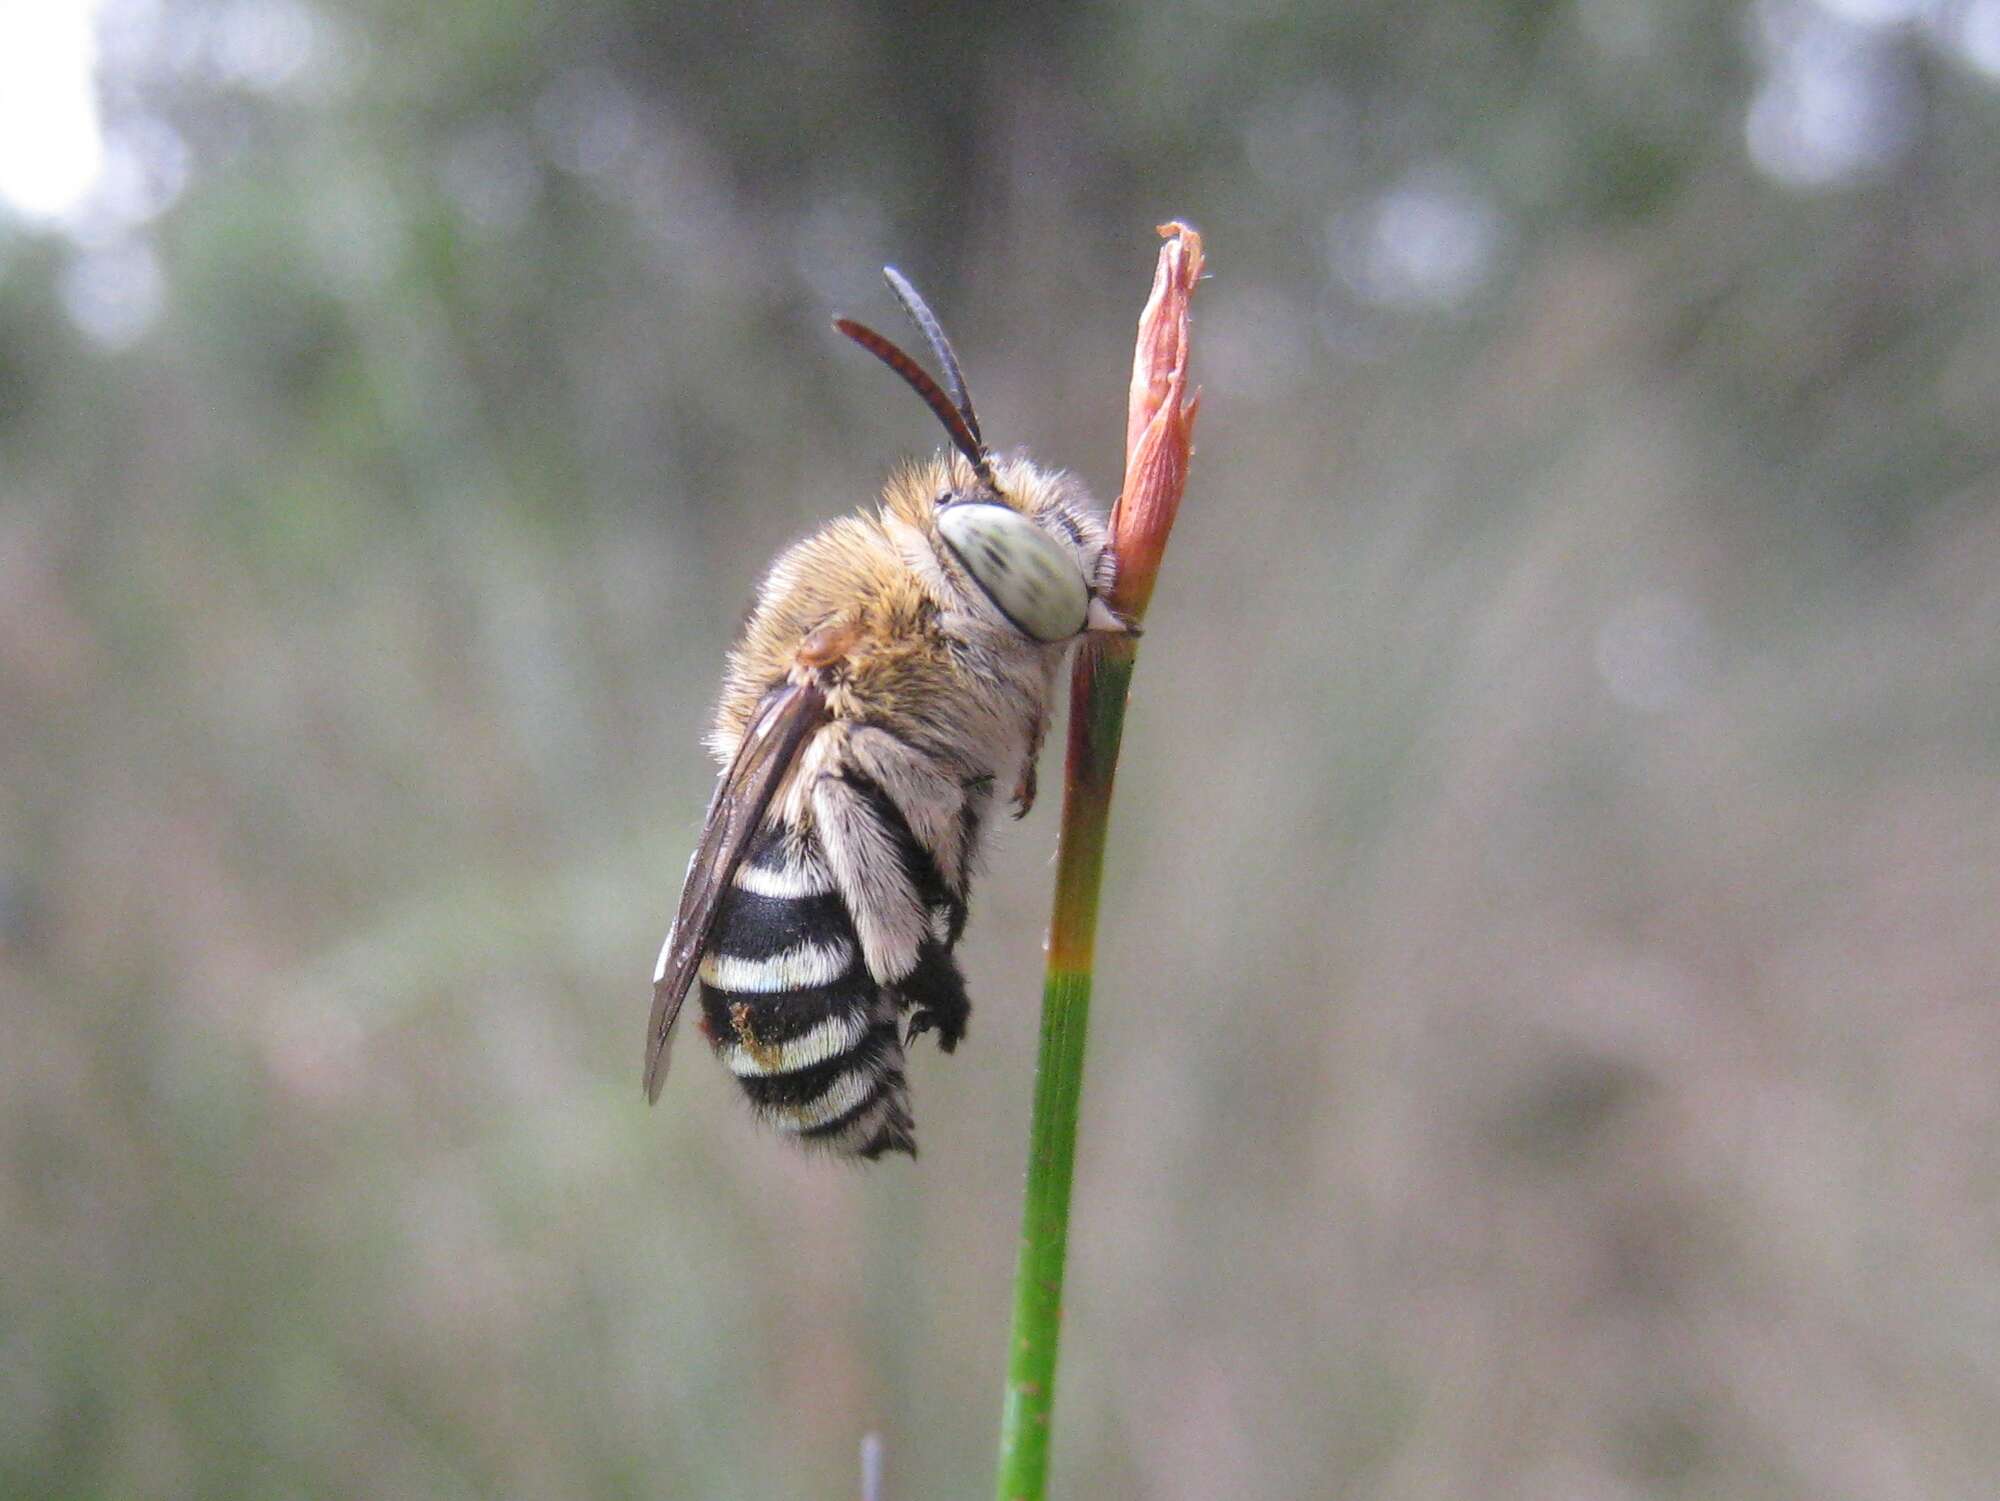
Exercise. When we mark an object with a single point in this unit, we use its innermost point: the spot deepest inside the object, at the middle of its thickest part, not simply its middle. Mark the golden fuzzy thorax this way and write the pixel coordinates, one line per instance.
(922, 653)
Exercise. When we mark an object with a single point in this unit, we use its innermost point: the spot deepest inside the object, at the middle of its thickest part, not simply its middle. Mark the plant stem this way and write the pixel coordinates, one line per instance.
(1159, 442)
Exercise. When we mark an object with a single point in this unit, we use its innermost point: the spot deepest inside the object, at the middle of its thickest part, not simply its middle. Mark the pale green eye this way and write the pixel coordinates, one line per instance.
(1022, 568)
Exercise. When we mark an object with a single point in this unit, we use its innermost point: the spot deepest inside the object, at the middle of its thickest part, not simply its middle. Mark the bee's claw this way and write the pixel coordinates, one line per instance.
(1024, 792)
(926, 1020)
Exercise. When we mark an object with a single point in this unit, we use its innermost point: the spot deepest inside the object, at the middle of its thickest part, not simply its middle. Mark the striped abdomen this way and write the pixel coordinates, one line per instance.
(792, 1011)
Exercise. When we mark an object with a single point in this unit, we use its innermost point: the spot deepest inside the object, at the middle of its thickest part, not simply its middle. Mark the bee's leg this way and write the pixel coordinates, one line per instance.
(934, 994)
(871, 854)
(893, 824)
(1024, 789)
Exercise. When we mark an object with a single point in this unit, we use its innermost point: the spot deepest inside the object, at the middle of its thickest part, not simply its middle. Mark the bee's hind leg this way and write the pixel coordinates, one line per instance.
(934, 994)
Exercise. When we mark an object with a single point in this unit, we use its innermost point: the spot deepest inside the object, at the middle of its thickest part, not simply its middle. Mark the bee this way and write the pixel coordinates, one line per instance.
(896, 669)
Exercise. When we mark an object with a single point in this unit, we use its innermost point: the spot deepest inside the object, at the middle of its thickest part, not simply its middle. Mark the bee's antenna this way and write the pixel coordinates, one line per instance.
(919, 380)
(933, 332)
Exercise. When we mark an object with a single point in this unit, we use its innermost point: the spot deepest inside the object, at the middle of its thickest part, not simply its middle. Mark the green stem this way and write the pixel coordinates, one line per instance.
(1159, 440)
(1097, 720)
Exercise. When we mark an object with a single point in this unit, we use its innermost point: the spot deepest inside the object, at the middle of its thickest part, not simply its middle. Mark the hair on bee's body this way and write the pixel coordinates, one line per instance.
(895, 671)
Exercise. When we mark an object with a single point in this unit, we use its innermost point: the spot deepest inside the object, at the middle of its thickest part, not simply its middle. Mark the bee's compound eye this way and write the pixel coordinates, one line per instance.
(1024, 571)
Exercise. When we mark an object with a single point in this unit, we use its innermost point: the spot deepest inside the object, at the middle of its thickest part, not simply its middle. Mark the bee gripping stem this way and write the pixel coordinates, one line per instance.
(1159, 444)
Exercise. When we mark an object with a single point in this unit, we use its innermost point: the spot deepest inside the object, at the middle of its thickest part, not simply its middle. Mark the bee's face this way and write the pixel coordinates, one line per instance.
(1023, 553)
(1022, 568)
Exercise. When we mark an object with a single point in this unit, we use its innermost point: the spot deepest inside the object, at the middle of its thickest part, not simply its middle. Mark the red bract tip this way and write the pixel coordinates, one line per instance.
(1159, 427)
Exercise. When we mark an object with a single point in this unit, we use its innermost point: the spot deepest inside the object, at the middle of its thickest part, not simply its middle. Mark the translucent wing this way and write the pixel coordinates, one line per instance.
(783, 722)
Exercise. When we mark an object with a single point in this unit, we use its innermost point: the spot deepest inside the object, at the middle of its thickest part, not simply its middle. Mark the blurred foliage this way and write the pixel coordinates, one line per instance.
(1545, 1029)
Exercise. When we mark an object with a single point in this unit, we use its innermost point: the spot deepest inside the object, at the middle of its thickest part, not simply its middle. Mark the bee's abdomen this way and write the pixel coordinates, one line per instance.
(792, 1012)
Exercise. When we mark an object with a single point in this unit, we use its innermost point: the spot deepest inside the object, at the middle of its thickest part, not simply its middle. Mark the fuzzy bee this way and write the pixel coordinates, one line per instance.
(895, 671)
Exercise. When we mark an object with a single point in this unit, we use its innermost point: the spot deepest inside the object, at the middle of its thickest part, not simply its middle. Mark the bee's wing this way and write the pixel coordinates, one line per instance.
(783, 722)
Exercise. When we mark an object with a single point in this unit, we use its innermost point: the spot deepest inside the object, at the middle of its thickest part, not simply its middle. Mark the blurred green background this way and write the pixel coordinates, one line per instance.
(1546, 1035)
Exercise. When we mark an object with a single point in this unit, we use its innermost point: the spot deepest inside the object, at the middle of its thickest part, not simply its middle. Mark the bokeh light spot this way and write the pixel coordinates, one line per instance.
(51, 145)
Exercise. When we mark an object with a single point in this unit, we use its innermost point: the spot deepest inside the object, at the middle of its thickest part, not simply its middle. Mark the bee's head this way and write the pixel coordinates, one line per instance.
(1002, 539)
(1024, 543)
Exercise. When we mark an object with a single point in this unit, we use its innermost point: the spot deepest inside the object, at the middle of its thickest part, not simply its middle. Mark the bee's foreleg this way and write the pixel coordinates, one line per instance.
(1024, 788)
